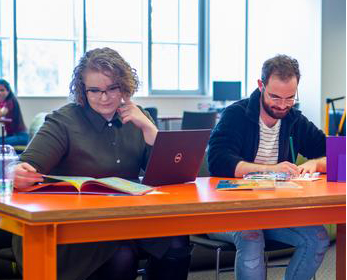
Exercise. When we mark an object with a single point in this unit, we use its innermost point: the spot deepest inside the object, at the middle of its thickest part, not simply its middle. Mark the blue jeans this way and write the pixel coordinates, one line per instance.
(20, 138)
(310, 245)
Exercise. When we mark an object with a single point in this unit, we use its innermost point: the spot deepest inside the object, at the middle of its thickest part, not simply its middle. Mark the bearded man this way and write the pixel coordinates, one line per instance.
(255, 135)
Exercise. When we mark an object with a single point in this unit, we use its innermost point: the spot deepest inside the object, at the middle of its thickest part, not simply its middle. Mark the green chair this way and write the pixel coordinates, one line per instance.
(35, 125)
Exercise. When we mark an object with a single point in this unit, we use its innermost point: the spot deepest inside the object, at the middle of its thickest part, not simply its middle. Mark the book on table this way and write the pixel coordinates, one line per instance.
(246, 184)
(242, 184)
(281, 176)
(267, 175)
(88, 185)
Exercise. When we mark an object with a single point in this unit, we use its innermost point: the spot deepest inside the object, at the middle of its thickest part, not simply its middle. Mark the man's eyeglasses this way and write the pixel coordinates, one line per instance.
(112, 91)
(279, 100)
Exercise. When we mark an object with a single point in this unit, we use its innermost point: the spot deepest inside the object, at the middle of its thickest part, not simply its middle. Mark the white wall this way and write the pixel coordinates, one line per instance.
(292, 28)
(333, 52)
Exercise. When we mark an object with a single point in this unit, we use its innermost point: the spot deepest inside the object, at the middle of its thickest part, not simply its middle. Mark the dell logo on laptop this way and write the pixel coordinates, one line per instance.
(178, 158)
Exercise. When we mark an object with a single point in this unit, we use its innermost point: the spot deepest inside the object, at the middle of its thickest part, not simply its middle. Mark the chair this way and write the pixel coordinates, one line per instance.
(198, 120)
(8, 263)
(35, 125)
(153, 111)
(203, 171)
(335, 120)
(222, 246)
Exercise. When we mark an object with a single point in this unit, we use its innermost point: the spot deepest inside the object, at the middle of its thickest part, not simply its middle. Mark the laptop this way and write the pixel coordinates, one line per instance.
(176, 157)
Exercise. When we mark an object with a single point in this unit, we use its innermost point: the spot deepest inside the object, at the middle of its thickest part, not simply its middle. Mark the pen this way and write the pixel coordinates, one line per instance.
(292, 148)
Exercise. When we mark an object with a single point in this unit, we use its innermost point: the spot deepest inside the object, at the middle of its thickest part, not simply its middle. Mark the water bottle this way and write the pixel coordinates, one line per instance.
(8, 159)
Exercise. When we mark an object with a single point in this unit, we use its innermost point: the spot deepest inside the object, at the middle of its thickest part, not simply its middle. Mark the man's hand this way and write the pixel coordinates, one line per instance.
(25, 175)
(287, 167)
(243, 168)
(313, 165)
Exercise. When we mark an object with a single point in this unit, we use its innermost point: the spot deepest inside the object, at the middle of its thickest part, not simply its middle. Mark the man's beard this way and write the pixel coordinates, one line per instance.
(271, 112)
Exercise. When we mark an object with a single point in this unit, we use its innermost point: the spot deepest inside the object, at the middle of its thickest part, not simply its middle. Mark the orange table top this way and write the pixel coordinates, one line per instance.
(197, 197)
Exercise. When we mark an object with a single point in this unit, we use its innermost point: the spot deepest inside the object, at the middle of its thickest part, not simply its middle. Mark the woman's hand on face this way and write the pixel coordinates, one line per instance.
(25, 175)
(130, 112)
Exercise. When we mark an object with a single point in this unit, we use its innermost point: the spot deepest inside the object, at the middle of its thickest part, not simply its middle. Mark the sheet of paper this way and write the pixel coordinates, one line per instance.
(307, 177)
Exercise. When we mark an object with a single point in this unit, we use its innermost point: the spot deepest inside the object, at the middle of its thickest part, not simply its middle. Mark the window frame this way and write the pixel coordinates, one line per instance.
(203, 74)
(203, 35)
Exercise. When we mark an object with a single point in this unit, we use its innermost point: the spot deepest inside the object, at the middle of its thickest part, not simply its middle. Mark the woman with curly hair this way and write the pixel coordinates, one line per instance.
(102, 133)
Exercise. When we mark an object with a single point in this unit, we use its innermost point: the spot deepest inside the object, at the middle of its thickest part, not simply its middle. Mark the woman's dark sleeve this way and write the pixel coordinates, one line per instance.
(148, 148)
(48, 145)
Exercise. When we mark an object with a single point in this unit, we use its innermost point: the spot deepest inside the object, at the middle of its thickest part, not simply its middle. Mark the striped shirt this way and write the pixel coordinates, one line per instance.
(268, 143)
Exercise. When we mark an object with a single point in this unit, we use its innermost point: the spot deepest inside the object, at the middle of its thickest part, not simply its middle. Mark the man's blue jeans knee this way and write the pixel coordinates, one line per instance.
(249, 261)
(310, 245)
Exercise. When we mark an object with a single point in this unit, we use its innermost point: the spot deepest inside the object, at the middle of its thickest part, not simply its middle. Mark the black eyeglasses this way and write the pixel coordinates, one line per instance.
(112, 91)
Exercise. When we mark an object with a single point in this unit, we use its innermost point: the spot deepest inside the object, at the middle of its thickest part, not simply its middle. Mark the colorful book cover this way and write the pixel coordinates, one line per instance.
(268, 175)
(241, 184)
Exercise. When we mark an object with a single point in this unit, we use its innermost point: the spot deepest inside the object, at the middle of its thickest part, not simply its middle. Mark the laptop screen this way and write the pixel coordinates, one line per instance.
(176, 157)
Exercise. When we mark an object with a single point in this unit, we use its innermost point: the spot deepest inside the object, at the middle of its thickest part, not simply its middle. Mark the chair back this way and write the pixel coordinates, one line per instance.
(203, 171)
(36, 123)
(153, 111)
(198, 120)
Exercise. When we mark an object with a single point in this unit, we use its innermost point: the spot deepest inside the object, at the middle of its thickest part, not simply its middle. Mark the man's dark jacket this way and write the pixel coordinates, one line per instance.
(236, 137)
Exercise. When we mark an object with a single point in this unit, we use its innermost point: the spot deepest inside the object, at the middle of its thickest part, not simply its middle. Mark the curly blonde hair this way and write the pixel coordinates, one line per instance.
(111, 64)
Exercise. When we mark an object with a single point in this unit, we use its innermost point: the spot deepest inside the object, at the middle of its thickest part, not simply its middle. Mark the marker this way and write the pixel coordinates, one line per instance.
(292, 149)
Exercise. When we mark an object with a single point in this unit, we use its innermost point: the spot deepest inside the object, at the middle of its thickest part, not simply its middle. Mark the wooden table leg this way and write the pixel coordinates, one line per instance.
(40, 252)
(341, 252)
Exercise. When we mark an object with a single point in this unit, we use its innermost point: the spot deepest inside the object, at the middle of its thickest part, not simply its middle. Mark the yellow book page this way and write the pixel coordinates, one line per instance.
(124, 185)
(76, 181)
